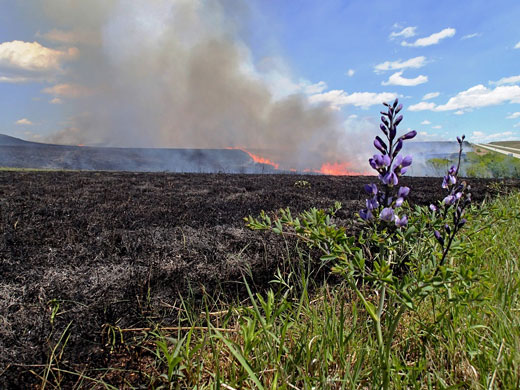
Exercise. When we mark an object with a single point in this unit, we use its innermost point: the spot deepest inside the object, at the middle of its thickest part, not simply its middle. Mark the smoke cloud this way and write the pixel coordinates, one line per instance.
(177, 73)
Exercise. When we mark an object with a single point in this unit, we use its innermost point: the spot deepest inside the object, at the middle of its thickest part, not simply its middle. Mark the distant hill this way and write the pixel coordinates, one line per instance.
(17, 153)
(6, 140)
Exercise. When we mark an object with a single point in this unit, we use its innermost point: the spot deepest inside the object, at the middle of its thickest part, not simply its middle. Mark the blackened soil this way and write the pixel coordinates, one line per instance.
(96, 248)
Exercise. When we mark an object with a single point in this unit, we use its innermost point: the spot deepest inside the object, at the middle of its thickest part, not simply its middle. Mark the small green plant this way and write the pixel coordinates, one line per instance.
(394, 265)
(302, 184)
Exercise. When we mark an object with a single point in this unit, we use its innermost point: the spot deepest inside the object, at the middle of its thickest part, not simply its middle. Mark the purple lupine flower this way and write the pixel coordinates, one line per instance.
(452, 171)
(401, 164)
(449, 200)
(447, 228)
(365, 214)
(371, 189)
(447, 180)
(387, 214)
(396, 101)
(372, 203)
(400, 222)
(379, 161)
(398, 120)
(433, 208)
(383, 128)
(409, 135)
(399, 108)
(462, 222)
(390, 179)
(403, 192)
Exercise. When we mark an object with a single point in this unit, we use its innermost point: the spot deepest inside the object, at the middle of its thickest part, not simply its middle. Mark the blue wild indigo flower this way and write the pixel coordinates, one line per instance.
(456, 200)
(390, 166)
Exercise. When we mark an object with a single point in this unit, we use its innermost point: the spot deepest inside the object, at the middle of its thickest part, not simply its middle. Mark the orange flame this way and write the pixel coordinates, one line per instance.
(258, 159)
(337, 169)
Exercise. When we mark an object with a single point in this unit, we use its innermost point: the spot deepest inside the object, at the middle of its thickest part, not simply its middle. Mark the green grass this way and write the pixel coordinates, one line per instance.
(298, 337)
(490, 164)
(509, 144)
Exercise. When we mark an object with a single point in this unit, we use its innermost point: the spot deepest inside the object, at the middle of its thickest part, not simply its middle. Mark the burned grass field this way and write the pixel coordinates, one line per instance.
(81, 252)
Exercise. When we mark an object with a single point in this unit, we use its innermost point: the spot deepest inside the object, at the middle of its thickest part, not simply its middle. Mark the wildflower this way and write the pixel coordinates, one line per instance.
(401, 222)
(439, 238)
(401, 195)
(449, 200)
(387, 214)
(390, 166)
(372, 203)
(371, 189)
(365, 214)
(380, 145)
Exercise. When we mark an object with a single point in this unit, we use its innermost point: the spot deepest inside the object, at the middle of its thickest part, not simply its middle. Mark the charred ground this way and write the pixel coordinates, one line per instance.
(95, 248)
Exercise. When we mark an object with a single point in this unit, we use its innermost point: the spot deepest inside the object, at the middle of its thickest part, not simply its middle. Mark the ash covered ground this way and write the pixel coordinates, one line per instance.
(96, 248)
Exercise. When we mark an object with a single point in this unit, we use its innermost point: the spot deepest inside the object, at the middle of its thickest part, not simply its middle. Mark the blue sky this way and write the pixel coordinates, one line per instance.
(454, 65)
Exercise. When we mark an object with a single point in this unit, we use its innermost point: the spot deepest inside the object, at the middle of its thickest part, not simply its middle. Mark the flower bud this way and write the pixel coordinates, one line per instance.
(462, 222)
(398, 147)
(439, 238)
(409, 135)
(398, 120)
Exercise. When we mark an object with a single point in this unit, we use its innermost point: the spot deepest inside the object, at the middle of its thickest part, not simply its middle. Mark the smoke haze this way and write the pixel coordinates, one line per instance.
(177, 74)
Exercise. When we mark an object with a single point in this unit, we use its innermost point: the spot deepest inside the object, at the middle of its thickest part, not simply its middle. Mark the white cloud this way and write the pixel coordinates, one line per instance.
(437, 127)
(406, 32)
(479, 136)
(514, 115)
(416, 62)
(351, 72)
(426, 122)
(517, 46)
(506, 80)
(311, 89)
(469, 36)
(459, 112)
(422, 106)
(397, 79)
(432, 39)
(67, 90)
(33, 56)
(338, 98)
(430, 95)
(56, 100)
(517, 125)
(24, 122)
(477, 96)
